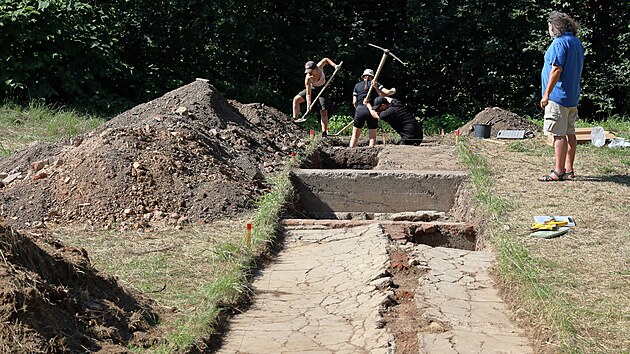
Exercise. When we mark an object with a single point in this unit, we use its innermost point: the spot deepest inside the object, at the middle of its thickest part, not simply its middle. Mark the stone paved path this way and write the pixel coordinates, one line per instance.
(324, 292)
(316, 297)
(456, 296)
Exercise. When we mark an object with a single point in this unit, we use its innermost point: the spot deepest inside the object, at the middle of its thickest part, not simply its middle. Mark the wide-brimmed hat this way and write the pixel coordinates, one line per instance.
(368, 72)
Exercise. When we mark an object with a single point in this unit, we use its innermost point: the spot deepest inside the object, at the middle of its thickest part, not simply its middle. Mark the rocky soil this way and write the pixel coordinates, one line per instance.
(188, 156)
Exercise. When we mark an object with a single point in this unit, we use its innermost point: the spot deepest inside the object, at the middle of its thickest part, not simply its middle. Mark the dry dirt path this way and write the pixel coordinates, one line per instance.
(328, 288)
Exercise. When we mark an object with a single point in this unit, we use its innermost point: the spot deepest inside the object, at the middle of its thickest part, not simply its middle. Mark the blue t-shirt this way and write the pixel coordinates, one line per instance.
(566, 52)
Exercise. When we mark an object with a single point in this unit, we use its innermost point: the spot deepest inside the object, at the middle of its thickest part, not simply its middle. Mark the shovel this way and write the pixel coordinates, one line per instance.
(308, 110)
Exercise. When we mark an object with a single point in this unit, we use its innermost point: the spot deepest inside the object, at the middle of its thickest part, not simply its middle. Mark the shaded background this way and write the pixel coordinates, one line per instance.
(462, 56)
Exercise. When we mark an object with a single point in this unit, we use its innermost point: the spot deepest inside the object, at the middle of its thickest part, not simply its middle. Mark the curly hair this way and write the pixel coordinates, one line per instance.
(561, 23)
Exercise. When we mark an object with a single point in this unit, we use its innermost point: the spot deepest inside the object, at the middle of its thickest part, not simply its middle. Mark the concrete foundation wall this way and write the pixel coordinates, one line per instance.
(379, 191)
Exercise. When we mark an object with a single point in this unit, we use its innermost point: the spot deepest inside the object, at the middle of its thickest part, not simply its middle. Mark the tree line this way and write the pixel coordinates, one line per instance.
(462, 56)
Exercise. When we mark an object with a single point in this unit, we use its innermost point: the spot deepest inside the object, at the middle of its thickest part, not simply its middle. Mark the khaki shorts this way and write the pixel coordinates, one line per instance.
(559, 120)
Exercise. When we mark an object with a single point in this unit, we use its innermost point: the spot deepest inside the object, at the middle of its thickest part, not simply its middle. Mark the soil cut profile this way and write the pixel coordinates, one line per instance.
(188, 156)
(53, 301)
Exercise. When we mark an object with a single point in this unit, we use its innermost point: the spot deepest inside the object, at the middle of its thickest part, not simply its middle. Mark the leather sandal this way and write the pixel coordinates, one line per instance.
(550, 177)
(569, 175)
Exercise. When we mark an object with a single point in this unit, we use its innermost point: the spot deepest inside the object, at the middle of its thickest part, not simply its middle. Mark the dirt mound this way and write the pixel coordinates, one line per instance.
(187, 156)
(500, 119)
(52, 300)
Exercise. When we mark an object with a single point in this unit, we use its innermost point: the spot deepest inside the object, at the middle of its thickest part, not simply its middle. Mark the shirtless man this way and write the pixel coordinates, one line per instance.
(314, 81)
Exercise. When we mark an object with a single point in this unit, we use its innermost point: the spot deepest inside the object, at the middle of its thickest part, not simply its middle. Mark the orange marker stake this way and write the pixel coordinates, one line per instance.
(312, 134)
(457, 137)
(442, 132)
(248, 236)
(292, 156)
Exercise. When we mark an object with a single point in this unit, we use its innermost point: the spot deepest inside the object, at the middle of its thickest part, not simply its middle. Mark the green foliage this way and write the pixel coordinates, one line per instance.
(448, 122)
(462, 56)
(62, 51)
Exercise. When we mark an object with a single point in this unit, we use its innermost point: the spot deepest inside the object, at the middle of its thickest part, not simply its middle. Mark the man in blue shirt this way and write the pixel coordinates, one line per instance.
(560, 77)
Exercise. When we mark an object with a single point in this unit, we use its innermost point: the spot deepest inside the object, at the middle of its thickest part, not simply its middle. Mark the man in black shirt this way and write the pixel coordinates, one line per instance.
(394, 112)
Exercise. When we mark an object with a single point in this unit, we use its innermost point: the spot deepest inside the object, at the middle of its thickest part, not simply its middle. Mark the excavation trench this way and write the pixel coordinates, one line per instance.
(341, 188)
(374, 261)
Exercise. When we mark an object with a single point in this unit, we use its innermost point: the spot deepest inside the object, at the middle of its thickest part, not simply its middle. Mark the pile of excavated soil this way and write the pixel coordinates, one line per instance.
(500, 119)
(53, 301)
(189, 156)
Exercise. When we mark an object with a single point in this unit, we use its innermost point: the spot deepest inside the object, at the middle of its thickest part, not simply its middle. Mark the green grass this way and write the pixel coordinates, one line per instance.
(516, 265)
(38, 122)
(481, 179)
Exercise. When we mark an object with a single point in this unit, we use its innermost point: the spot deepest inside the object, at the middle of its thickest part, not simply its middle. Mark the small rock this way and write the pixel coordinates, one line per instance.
(380, 323)
(38, 165)
(128, 211)
(106, 132)
(182, 220)
(40, 175)
(382, 283)
(136, 165)
(182, 111)
(435, 327)
(76, 141)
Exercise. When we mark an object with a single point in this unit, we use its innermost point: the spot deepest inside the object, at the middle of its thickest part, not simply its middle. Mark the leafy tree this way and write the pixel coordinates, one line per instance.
(61, 51)
(462, 55)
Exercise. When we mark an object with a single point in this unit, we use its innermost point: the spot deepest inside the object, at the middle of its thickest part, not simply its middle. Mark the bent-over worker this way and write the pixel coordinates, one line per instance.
(396, 114)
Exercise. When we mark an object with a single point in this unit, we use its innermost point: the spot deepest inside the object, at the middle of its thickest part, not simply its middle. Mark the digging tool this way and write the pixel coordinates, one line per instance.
(308, 109)
(386, 52)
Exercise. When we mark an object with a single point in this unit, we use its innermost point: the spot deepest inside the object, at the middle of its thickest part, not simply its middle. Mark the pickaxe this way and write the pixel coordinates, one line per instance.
(386, 52)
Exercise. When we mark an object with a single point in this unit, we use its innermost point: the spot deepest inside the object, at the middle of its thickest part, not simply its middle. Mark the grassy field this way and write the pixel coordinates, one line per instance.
(572, 291)
(23, 125)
